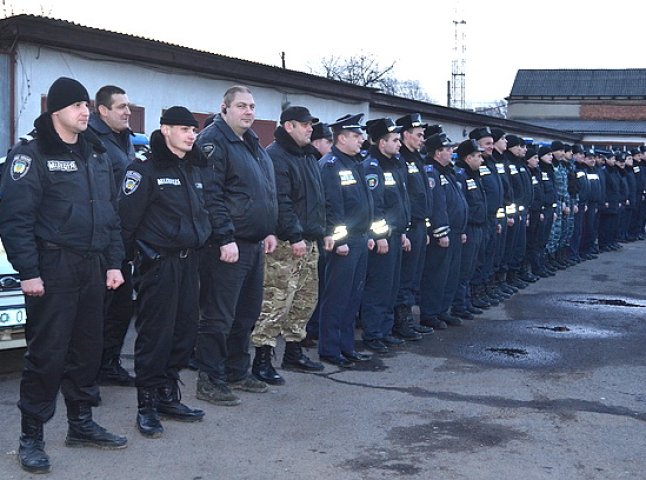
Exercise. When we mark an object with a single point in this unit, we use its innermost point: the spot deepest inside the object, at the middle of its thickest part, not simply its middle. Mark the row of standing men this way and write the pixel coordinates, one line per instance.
(230, 243)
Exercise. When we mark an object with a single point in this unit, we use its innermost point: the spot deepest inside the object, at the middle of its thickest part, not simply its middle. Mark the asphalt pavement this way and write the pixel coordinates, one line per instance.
(549, 385)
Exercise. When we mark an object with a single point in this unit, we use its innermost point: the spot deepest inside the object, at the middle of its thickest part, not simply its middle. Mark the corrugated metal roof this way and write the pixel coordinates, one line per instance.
(593, 126)
(580, 83)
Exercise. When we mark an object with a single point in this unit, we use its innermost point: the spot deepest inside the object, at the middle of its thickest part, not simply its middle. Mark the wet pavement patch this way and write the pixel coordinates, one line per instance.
(522, 356)
(611, 302)
(579, 331)
(411, 446)
(553, 329)
(510, 352)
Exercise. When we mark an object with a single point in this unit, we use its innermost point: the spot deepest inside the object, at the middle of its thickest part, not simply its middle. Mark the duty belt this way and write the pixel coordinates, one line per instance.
(45, 245)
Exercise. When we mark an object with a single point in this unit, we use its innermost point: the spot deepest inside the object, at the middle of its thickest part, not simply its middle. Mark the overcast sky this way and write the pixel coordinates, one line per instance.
(502, 36)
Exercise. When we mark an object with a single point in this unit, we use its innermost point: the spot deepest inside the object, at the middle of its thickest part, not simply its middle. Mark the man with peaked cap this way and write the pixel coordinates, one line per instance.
(321, 138)
(484, 285)
(642, 194)
(448, 223)
(322, 142)
(560, 230)
(521, 181)
(349, 213)
(467, 172)
(536, 215)
(164, 221)
(60, 229)
(593, 201)
(291, 270)
(550, 205)
(582, 196)
(611, 208)
(637, 228)
(386, 180)
(508, 224)
(635, 186)
(420, 198)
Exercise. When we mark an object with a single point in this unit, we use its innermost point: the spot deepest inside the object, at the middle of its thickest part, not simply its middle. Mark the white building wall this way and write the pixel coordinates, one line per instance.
(153, 87)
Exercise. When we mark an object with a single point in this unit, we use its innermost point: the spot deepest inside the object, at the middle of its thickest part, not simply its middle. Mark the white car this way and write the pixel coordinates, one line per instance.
(13, 316)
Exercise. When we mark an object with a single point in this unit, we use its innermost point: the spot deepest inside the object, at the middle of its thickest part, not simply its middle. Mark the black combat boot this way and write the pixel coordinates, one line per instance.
(148, 422)
(112, 373)
(170, 406)
(31, 452)
(262, 368)
(84, 432)
(403, 327)
(295, 359)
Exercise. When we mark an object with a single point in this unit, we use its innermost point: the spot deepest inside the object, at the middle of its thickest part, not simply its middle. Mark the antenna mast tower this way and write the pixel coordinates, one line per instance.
(458, 64)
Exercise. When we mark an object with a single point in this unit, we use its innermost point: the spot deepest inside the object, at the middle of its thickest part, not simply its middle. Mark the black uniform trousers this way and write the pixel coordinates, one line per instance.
(166, 323)
(534, 245)
(544, 235)
(588, 229)
(608, 227)
(519, 247)
(577, 233)
(119, 308)
(440, 277)
(345, 278)
(64, 333)
(380, 290)
(511, 239)
(231, 302)
(412, 265)
(470, 251)
(484, 267)
(500, 245)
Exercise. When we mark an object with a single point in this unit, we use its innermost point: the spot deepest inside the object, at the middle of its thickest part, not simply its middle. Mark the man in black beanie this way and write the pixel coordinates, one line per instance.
(164, 221)
(59, 226)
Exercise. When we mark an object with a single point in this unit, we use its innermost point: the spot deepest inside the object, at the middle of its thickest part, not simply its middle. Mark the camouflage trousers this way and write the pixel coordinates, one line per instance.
(290, 295)
(567, 229)
(556, 232)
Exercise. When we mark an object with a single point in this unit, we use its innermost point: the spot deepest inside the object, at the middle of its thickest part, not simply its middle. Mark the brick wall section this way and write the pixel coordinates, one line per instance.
(612, 112)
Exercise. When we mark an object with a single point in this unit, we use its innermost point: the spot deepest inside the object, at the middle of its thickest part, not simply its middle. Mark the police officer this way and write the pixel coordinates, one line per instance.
(448, 224)
(420, 199)
(559, 232)
(386, 179)
(610, 210)
(508, 231)
(550, 205)
(322, 142)
(521, 180)
(60, 229)
(583, 194)
(242, 202)
(467, 172)
(349, 213)
(536, 216)
(111, 123)
(594, 199)
(291, 271)
(484, 286)
(164, 221)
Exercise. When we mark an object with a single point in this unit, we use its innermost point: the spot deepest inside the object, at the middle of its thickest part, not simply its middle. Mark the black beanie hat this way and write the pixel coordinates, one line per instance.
(178, 116)
(544, 150)
(64, 92)
(514, 141)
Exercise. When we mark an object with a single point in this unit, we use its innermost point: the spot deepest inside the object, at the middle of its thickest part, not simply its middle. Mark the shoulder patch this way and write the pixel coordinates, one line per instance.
(372, 180)
(20, 166)
(331, 160)
(207, 149)
(459, 171)
(374, 163)
(131, 182)
(428, 168)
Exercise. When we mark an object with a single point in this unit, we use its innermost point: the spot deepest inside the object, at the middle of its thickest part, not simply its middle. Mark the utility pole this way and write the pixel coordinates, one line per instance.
(282, 58)
(458, 63)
